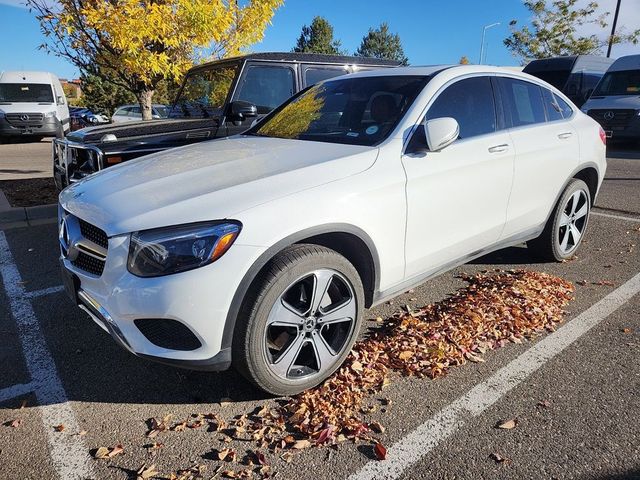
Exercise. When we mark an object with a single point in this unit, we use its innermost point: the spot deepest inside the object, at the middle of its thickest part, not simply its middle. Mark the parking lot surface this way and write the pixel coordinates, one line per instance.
(25, 159)
(67, 389)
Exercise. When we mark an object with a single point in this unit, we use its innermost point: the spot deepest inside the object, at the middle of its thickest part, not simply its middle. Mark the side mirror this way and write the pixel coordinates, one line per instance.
(241, 110)
(441, 132)
(60, 100)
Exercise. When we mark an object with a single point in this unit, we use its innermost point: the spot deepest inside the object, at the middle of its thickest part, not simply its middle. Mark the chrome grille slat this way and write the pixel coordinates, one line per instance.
(83, 244)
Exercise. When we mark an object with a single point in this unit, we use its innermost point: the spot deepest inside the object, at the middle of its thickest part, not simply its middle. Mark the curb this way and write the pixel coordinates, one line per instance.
(13, 217)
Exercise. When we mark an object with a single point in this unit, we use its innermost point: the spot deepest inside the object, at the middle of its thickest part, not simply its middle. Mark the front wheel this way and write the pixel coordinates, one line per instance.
(566, 227)
(299, 321)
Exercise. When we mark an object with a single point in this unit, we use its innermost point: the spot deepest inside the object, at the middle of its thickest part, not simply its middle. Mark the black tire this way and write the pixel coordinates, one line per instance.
(548, 246)
(250, 344)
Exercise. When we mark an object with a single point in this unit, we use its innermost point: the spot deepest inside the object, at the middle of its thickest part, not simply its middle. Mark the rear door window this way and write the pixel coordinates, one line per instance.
(266, 86)
(522, 102)
(470, 101)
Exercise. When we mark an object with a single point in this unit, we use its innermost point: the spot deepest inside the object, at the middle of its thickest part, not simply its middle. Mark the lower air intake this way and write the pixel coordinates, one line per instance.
(167, 333)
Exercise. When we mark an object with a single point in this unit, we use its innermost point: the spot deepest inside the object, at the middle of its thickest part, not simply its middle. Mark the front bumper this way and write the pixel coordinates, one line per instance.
(618, 124)
(199, 299)
(47, 127)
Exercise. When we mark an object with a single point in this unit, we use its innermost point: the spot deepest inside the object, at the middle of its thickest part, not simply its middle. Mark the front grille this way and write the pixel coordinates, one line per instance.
(613, 119)
(25, 119)
(93, 233)
(83, 242)
(168, 333)
(89, 264)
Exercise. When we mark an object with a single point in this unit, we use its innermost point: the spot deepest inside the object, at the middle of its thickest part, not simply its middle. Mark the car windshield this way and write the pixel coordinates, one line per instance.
(204, 92)
(359, 111)
(26, 92)
(623, 82)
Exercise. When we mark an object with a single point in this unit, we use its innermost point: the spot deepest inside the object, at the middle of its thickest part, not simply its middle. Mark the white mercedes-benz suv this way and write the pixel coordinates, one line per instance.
(262, 250)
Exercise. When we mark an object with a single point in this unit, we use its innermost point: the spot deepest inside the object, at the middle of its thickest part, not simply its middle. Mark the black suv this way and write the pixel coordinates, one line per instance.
(217, 99)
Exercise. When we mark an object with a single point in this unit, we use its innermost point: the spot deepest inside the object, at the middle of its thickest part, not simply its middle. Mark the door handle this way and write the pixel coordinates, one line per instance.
(499, 148)
(565, 135)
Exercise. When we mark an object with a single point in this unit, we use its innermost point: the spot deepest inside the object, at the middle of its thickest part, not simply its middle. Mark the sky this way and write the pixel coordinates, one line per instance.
(432, 31)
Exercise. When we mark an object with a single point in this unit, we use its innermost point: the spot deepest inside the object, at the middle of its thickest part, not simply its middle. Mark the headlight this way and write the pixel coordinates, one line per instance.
(49, 114)
(164, 251)
(1, 114)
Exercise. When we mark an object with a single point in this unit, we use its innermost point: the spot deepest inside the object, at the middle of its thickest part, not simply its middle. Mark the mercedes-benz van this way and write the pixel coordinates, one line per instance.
(615, 103)
(576, 76)
(32, 104)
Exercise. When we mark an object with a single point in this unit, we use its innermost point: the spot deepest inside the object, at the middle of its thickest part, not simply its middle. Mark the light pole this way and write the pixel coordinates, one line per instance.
(613, 28)
(484, 31)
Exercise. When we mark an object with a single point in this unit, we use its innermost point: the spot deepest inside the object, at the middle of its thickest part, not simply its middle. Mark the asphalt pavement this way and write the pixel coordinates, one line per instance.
(574, 394)
(25, 159)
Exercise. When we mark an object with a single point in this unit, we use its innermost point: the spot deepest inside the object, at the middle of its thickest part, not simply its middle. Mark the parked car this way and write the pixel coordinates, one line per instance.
(32, 104)
(132, 113)
(216, 99)
(576, 76)
(83, 117)
(263, 249)
(615, 103)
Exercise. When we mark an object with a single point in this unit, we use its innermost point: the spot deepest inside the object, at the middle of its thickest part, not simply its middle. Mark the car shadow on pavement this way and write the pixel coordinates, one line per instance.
(624, 151)
(518, 255)
(630, 475)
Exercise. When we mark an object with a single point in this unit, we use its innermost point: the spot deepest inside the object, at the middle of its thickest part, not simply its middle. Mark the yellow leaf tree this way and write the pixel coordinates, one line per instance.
(137, 43)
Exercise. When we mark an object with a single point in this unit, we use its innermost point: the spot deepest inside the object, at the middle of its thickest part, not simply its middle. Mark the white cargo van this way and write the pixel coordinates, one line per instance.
(615, 103)
(32, 104)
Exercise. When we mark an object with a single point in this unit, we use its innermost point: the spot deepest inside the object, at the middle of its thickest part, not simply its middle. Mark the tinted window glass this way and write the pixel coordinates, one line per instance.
(266, 87)
(624, 82)
(358, 111)
(523, 102)
(26, 92)
(135, 112)
(470, 102)
(565, 108)
(204, 92)
(551, 105)
(315, 75)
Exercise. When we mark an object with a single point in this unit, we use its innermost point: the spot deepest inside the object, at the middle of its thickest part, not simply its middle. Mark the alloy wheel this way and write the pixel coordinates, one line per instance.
(573, 221)
(310, 325)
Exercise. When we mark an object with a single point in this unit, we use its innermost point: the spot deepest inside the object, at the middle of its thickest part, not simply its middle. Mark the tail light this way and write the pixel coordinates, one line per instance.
(603, 136)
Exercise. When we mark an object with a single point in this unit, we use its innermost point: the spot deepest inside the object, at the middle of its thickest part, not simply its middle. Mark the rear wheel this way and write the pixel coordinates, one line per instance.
(299, 320)
(566, 227)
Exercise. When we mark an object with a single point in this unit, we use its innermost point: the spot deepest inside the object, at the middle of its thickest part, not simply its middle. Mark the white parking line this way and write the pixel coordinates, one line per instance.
(15, 391)
(427, 436)
(617, 217)
(68, 453)
(44, 291)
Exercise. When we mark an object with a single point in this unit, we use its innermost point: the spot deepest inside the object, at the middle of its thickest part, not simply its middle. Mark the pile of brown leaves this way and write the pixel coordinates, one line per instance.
(494, 309)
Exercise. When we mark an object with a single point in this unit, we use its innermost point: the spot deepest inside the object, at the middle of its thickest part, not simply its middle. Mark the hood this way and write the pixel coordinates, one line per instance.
(208, 181)
(613, 102)
(128, 130)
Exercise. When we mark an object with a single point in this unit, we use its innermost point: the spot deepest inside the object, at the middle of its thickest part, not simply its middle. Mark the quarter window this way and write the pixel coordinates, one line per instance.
(266, 87)
(470, 102)
(554, 112)
(523, 102)
(315, 75)
(565, 108)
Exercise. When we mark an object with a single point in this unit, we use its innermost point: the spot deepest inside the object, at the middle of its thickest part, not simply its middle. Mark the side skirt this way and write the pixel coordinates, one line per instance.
(382, 296)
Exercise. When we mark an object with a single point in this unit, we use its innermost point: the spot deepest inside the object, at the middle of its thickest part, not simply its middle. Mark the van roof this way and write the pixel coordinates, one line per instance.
(26, 76)
(630, 62)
